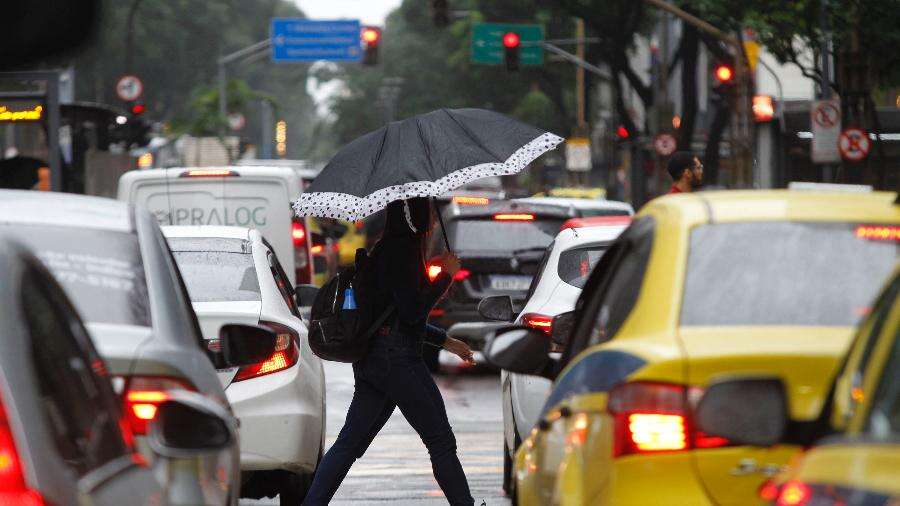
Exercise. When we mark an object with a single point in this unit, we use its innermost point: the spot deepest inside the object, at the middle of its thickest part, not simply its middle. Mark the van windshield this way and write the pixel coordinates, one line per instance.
(101, 271)
(216, 270)
(784, 273)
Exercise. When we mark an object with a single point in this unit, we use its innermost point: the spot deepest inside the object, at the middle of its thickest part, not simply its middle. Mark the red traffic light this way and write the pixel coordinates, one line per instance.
(137, 109)
(622, 132)
(370, 35)
(724, 73)
(511, 39)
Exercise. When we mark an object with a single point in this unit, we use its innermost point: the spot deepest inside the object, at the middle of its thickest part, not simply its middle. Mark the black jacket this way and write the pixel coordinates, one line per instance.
(401, 279)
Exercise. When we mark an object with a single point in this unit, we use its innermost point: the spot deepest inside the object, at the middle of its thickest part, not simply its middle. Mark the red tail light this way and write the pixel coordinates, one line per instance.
(302, 262)
(433, 270)
(768, 491)
(144, 394)
(209, 173)
(461, 275)
(514, 217)
(653, 417)
(794, 493)
(13, 490)
(286, 354)
(537, 321)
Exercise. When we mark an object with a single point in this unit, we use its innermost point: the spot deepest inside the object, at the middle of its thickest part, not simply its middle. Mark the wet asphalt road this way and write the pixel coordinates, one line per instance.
(396, 468)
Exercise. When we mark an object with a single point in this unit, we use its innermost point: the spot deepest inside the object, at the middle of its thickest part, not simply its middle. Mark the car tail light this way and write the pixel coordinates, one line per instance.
(209, 173)
(144, 394)
(13, 490)
(471, 201)
(436, 312)
(462, 275)
(794, 493)
(768, 491)
(653, 417)
(537, 321)
(286, 354)
(302, 262)
(514, 217)
(433, 270)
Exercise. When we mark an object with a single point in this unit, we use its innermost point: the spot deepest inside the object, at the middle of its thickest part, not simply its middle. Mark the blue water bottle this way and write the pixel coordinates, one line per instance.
(349, 300)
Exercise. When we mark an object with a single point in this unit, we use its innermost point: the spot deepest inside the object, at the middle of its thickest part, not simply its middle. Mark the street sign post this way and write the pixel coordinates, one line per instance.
(578, 154)
(854, 144)
(487, 43)
(129, 88)
(306, 40)
(825, 118)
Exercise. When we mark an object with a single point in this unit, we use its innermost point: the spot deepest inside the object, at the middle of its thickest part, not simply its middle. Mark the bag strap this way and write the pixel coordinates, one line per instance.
(379, 322)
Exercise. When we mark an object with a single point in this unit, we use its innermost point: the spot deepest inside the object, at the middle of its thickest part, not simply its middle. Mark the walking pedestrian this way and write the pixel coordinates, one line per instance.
(686, 171)
(393, 374)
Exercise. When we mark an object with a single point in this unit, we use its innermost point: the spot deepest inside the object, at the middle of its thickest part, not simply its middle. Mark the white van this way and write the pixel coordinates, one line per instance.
(252, 197)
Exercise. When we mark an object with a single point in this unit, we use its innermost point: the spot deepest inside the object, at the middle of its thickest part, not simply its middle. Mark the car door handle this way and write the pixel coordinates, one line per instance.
(744, 467)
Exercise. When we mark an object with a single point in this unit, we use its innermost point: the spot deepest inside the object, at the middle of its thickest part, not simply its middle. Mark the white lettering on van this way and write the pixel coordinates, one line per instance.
(239, 216)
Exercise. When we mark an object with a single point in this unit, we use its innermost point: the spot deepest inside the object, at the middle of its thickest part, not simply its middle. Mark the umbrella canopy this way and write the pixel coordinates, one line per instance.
(423, 156)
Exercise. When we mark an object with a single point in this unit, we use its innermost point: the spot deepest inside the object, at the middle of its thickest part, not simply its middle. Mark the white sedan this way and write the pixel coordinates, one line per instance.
(564, 270)
(233, 276)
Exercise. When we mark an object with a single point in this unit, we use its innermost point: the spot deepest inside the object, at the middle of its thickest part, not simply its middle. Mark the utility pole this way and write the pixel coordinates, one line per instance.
(825, 81)
(581, 129)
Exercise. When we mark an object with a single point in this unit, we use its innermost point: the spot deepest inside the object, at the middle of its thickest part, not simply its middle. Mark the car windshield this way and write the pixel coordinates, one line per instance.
(576, 264)
(101, 271)
(492, 235)
(216, 270)
(778, 273)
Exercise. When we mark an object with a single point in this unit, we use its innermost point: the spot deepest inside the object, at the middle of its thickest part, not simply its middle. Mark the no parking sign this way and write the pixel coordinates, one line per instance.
(854, 144)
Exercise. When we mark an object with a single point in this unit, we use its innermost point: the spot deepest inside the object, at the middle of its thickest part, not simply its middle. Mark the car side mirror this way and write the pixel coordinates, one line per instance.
(497, 307)
(562, 327)
(746, 411)
(241, 344)
(520, 350)
(304, 295)
(188, 425)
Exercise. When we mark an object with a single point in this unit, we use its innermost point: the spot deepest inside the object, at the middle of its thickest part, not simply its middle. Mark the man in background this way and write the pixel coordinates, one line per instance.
(686, 171)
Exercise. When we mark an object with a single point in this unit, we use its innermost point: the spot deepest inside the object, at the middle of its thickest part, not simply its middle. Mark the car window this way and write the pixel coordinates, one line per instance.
(282, 282)
(586, 213)
(505, 236)
(75, 393)
(884, 418)
(622, 288)
(576, 264)
(767, 273)
(101, 271)
(540, 271)
(215, 269)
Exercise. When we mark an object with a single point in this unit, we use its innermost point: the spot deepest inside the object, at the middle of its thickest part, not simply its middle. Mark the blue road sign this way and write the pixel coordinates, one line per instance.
(299, 40)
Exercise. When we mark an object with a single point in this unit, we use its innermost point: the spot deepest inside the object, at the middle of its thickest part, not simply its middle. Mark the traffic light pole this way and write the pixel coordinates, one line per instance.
(550, 45)
(251, 50)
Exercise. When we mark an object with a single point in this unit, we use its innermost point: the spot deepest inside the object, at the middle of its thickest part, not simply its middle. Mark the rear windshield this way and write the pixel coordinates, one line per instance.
(783, 273)
(576, 264)
(492, 235)
(216, 270)
(101, 271)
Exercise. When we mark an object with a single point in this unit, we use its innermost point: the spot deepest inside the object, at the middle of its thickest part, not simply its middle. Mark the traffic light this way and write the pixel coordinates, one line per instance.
(138, 108)
(371, 38)
(724, 73)
(511, 44)
(439, 13)
(622, 133)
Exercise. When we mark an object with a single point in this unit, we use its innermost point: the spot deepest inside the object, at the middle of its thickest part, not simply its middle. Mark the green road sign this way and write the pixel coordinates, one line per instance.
(487, 44)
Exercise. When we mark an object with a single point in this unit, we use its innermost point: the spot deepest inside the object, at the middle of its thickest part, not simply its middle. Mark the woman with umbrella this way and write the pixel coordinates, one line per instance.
(399, 167)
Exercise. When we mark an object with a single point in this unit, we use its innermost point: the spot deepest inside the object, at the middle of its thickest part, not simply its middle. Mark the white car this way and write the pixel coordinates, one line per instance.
(584, 207)
(564, 270)
(233, 276)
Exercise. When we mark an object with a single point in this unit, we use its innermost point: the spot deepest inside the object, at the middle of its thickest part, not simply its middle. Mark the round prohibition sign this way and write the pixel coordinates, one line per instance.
(665, 144)
(854, 144)
(826, 115)
(129, 88)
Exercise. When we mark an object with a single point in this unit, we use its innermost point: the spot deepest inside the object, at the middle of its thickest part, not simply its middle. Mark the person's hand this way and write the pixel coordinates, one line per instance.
(449, 263)
(460, 349)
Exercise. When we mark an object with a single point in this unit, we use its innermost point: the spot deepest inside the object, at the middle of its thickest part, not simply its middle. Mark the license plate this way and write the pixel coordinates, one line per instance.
(513, 283)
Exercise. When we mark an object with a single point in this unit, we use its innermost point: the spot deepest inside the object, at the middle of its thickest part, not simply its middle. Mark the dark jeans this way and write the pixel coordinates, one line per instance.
(393, 374)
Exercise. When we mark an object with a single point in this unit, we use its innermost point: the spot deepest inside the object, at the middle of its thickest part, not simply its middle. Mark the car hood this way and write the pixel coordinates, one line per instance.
(805, 358)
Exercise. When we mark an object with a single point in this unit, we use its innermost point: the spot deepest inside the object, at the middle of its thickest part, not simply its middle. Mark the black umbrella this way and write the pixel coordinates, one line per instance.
(423, 156)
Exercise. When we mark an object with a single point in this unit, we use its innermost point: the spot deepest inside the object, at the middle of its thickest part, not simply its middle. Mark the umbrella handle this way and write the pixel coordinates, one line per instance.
(443, 228)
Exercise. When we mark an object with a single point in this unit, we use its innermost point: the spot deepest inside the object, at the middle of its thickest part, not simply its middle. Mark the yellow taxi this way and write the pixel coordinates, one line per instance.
(574, 192)
(860, 464)
(701, 287)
